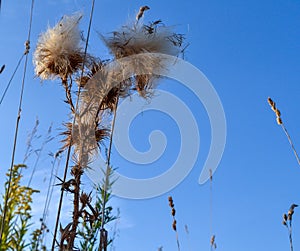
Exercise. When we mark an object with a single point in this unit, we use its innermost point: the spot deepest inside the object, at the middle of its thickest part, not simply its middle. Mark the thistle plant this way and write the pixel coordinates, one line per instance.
(59, 54)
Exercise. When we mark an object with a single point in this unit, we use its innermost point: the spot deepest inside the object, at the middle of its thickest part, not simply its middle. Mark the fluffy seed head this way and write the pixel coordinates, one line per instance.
(58, 52)
(139, 38)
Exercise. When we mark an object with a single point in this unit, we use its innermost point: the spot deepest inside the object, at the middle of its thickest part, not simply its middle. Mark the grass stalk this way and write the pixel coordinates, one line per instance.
(174, 224)
(280, 122)
(287, 222)
(103, 233)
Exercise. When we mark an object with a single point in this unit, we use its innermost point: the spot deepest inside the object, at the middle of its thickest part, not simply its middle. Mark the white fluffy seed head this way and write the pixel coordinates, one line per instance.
(58, 52)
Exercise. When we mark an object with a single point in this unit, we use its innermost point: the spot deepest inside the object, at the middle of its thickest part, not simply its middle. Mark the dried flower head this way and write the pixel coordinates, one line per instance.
(58, 52)
(86, 142)
(137, 38)
(95, 66)
(140, 38)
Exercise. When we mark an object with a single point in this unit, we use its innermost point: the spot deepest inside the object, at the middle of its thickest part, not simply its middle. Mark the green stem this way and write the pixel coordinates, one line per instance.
(103, 233)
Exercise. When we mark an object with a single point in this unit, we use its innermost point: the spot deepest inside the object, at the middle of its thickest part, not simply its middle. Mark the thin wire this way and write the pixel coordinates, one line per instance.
(74, 119)
(9, 82)
(27, 44)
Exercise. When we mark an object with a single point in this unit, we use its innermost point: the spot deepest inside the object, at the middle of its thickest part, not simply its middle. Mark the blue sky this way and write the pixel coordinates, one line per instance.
(249, 51)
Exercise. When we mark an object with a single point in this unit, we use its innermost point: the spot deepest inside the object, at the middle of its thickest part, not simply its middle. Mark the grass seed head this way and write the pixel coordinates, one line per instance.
(279, 121)
(174, 225)
(173, 212)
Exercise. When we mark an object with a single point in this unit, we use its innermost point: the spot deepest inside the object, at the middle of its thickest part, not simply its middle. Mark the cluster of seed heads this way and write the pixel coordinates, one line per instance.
(276, 111)
(288, 217)
(174, 224)
(287, 222)
(173, 212)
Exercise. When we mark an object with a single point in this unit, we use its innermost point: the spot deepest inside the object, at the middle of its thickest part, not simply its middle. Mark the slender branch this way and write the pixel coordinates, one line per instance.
(290, 236)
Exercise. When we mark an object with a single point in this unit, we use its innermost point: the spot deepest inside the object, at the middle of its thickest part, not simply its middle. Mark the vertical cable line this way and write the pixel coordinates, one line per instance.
(27, 48)
(74, 119)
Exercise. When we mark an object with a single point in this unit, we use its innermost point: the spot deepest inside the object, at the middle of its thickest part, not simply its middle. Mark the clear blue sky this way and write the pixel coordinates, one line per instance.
(249, 50)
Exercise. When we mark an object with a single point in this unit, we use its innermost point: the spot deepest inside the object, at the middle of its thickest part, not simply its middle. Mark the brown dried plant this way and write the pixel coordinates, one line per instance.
(213, 244)
(58, 52)
(59, 55)
(287, 222)
(174, 224)
(280, 122)
(137, 38)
